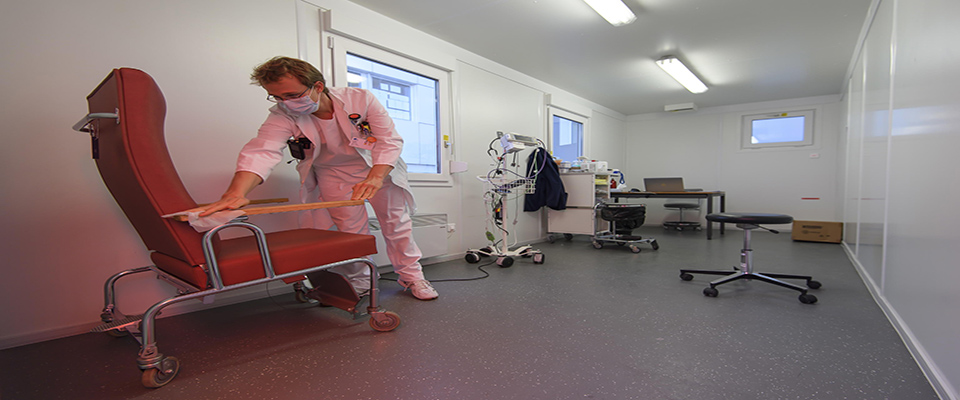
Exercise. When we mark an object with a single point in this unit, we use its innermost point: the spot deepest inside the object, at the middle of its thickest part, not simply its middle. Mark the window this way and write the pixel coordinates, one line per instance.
(411, 100)
(414, 95)
(566, 134)
(782, 129)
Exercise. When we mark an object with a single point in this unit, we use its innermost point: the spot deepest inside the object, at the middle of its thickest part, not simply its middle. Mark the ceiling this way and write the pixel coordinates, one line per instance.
(744, 50)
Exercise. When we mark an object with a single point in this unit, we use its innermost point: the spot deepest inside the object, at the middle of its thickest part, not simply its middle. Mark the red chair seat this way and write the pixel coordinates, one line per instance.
(293, 250)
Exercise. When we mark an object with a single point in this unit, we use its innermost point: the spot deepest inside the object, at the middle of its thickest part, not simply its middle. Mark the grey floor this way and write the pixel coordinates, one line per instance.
(587, 324)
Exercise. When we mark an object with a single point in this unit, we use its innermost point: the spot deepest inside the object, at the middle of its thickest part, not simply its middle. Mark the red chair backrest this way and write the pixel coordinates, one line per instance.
(136, 167)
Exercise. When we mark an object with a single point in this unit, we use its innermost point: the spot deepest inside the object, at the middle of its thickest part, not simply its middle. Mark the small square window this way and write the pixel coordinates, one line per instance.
(784, 129)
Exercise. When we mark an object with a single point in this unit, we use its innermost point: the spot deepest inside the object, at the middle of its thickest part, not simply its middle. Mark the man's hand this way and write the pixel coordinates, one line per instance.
(236, 195)
(368, 187)
(225, 203)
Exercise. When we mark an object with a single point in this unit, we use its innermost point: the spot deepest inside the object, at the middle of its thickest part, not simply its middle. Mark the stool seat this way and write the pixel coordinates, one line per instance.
(750, 218)
(681, 205)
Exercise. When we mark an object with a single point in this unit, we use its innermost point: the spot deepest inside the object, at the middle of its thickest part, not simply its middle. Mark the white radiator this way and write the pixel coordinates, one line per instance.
(429, 231)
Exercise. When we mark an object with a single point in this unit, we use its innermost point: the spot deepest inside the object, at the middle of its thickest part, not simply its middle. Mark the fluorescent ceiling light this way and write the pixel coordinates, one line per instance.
(678, 71)
(614, 11)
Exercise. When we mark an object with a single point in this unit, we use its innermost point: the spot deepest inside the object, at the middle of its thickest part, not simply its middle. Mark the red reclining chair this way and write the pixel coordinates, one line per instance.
(125, 122)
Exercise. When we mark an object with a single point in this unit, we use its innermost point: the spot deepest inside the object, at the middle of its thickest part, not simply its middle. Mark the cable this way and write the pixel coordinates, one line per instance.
(480, 267)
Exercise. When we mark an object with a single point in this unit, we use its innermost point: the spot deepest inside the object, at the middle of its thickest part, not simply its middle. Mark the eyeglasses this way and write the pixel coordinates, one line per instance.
(276, 99)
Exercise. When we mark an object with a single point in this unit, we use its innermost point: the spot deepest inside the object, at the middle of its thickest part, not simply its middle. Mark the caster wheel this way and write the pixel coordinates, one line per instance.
(154, 378)
(300, 296)
(813, 284)
(808, 298)
(384, 321)
(634, 249)
(538, 258)
(687, 277)
(505, 262)
(472, 258)
(568, 236)
(656, 246)
(598, 245)
(710, 292)
(551, 239)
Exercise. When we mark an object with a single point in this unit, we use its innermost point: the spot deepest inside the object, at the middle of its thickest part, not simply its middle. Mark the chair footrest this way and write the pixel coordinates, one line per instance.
(129, 320)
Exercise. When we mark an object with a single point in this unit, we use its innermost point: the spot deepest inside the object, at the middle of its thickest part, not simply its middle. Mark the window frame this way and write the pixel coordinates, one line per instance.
(553, 111)
(746, 142)
(340, 47)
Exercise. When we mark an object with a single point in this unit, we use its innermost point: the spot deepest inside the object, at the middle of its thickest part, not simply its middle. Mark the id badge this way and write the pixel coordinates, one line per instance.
(363, 143)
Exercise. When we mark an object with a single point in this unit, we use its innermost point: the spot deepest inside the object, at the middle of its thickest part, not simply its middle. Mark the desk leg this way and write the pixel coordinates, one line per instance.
(723, 208)
(710, 223)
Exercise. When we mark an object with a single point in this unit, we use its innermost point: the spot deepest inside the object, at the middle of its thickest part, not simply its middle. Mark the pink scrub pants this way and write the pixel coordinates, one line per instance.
(395, 224)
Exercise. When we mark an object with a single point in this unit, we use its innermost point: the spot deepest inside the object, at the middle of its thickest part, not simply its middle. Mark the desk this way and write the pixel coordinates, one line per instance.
(681, 195)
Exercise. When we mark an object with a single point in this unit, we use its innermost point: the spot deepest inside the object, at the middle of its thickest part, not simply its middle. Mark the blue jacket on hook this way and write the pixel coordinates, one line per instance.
(549, 188)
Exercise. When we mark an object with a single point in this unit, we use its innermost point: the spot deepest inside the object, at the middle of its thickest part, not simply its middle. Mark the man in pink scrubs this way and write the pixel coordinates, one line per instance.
(348, 148)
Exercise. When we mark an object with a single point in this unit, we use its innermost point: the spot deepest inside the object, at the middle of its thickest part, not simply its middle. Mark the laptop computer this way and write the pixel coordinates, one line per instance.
(663, 184)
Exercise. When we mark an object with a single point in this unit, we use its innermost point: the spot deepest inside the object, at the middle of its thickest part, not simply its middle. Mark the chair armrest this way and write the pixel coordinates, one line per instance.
(182, 215)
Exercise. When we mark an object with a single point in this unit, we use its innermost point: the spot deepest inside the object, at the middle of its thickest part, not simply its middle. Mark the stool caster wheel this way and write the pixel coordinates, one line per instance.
(710, 292)
(656, 246)
(686, 276)
(813, 284)
(808, 298)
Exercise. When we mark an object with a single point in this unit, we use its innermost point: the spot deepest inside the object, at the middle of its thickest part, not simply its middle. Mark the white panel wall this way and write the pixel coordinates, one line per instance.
(493, 102)
(906, 146)
(703, 147)
(63, 233)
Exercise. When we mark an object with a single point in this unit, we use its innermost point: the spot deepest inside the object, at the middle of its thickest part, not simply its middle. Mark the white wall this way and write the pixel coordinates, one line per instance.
(903, 119)
(703, 147)
(64, 235)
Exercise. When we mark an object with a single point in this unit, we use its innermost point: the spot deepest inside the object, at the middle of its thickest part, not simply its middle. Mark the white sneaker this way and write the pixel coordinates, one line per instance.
(421, 289)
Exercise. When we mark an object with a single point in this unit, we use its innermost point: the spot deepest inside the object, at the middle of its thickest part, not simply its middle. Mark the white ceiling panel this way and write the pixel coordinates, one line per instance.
(744, 50)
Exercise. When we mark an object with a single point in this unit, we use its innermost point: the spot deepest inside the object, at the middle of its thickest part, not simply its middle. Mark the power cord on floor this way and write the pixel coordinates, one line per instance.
(480, 267)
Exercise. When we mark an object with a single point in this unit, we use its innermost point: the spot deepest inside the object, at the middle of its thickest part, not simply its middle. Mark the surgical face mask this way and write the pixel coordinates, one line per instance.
(300, 106)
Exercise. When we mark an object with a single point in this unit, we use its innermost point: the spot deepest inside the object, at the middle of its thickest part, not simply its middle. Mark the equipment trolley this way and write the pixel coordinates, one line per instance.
(623, 219)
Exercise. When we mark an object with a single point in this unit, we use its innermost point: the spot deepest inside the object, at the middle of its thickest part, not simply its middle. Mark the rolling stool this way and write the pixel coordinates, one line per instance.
(749, 222)
(681, 224)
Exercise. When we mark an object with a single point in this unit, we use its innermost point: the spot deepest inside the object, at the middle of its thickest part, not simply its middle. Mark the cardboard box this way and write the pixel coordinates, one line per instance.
(817, 231)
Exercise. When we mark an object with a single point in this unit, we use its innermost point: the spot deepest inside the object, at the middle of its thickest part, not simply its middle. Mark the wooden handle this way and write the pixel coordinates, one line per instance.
(258, 201)
(301, 207)
(283, 208)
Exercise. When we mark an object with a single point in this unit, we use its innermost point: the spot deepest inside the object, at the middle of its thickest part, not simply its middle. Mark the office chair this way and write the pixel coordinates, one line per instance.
(681, 224)
(125, 122)
(749, 222)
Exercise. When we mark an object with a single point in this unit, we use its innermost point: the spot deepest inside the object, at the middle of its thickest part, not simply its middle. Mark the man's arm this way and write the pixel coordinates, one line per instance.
(236, 195)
